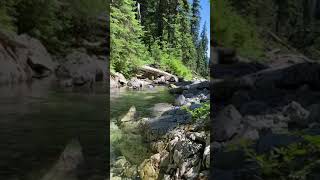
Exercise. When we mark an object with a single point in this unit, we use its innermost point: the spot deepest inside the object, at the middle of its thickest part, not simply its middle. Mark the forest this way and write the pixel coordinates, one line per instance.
(60, 24)
(162, 33)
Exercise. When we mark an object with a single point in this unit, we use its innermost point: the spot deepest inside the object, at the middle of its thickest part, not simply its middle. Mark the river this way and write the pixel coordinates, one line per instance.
(130, 143)
(38, 120)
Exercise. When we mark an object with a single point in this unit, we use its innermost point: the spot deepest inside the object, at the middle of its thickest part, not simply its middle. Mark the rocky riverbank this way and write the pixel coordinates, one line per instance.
(178, 140)
(265, 123)
(24, 58)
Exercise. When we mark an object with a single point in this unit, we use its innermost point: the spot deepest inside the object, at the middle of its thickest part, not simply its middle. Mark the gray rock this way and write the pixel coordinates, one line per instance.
(160, 108)
(206, 157)
(159, 126)
(120, 79)
(226, 124)
(82, 69)
(297, 114)
(68, 163)
(197, 136)
(38, 57)
(135, 83)
(180, 101)
(184, 150)
(249, 133)
(23, 58)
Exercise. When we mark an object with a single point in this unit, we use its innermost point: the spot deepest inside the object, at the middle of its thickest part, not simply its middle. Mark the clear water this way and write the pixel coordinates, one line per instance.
(38, 120)
(130, 143)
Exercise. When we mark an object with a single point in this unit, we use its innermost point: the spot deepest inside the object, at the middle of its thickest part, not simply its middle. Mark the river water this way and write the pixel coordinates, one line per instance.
(131, 144)
(38, 120)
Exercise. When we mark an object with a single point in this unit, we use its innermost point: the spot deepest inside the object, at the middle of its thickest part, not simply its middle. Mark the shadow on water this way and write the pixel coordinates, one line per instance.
(38, 120)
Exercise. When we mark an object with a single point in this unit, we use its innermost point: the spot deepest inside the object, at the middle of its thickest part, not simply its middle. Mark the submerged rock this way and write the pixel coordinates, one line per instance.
(148, 170)
(130, 115)
(68, 163)
(160, 108)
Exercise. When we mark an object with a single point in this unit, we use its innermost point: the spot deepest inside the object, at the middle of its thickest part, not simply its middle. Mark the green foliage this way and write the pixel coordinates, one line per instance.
(203, 60)
(6, 21)
(130, 145)
(127, 49)
(232, 30)
(195, 20)
(59, 24)
(285, 162)
(169, 59)
(201, 112)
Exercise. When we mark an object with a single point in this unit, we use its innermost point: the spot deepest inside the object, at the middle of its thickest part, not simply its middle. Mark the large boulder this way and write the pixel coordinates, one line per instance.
(156, 127)
(11, 70)
(23, 58)
(38, 57)
(117, 80)
(227, 124)
(82, 69)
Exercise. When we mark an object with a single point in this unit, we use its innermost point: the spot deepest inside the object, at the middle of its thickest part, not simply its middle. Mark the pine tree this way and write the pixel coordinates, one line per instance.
(127, 50)
(195, 20)
(202, 62)
(188, 48)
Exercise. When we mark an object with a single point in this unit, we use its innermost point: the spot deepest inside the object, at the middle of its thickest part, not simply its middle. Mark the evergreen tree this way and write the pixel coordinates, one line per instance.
(202, 63)
(195, 20)
(127, 50)
(188, 48)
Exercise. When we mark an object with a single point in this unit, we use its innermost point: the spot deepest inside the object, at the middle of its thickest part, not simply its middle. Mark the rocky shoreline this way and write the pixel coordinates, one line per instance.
(180, 144)
(266, 120)
(24, 58)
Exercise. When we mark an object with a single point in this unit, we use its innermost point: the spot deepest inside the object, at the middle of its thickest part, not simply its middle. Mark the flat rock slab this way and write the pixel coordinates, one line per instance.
(159, 126)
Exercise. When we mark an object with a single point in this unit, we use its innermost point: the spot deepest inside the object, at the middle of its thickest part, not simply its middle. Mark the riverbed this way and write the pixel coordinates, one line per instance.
(131, 144)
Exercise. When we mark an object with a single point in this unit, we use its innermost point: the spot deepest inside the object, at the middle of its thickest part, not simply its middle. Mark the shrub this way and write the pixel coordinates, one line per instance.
(169, 60)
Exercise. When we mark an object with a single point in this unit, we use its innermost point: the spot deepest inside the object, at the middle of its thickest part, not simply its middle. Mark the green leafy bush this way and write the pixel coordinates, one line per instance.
(285, 162)
(170, 60)
(199, 113)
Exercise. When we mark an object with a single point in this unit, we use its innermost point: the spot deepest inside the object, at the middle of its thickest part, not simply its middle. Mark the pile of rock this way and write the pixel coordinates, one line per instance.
(263, 108)
(180, 155)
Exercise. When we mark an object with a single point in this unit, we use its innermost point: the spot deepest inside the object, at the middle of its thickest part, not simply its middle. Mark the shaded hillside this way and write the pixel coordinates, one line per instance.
(287, 24)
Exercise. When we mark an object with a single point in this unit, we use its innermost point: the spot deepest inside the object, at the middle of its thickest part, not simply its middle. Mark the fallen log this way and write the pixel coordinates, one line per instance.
(158, 72)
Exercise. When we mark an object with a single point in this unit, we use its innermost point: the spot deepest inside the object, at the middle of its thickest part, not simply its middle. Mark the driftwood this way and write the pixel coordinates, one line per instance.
(157, 72)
